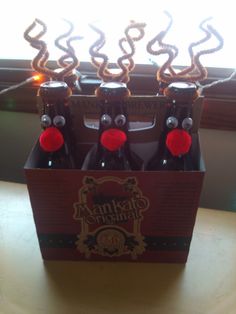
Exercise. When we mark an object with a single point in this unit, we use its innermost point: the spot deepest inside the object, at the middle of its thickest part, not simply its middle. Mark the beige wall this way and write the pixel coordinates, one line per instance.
(18, 132)
(219, 153)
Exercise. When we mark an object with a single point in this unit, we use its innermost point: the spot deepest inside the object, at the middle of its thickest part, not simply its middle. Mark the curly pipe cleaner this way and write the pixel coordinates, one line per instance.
(124, 76)
(69, 50)
(199, 72)
(103, 72)
(194, 44)
(134, 38)
(161, 75)
(159, 39)
(39, 62)
(62, 61)
(35, 42)
(202, 71)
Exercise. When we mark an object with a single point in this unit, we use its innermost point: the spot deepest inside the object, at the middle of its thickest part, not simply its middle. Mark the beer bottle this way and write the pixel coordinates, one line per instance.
(113, 151)
(56, 139)
(174, 148)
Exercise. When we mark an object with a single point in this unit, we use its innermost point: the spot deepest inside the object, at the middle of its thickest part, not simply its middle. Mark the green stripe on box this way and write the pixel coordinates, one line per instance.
(152, 243)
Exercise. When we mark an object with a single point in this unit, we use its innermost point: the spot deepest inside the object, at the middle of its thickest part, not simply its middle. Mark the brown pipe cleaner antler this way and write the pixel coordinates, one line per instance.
(207, 36)
(69, 49)
(159, 39)
(129, 56)
(43, 55)
(103, 72)
(39, 62)
(195, 72)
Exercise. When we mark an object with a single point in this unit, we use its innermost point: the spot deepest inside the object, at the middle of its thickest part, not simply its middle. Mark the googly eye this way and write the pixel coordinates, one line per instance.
(172, 122)
(187, 123)
(120, 120)
(106, 120)
(59, 121)
(45, 121)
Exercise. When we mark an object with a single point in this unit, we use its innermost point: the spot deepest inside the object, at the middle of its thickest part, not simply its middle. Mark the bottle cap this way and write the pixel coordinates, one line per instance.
(181, 91)
(112, 91)
(52, 91)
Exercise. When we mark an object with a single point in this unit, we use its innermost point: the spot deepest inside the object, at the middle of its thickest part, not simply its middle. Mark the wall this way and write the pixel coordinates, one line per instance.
(219, 152)
(18, 132)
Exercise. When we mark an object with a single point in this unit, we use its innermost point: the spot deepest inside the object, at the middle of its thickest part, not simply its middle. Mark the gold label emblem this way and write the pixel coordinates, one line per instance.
(110, 211)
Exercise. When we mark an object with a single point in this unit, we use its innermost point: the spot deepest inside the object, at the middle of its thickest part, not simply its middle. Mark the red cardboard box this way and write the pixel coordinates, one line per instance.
(145, 216)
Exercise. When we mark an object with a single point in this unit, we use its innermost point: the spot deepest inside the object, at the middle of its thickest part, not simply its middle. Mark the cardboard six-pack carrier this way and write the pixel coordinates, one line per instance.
(139, 216)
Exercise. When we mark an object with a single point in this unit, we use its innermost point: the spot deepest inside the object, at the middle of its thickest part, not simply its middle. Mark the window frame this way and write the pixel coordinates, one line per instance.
(219, 110)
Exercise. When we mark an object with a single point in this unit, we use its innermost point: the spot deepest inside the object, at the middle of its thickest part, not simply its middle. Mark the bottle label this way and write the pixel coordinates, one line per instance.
(110, 211)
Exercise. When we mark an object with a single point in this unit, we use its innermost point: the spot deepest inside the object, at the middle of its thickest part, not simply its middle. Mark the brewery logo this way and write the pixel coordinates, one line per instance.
(110, 211)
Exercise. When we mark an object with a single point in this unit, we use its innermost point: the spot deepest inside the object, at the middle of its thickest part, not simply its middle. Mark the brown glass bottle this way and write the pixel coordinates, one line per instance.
(113, 151)
(174, 150)
(56, 140)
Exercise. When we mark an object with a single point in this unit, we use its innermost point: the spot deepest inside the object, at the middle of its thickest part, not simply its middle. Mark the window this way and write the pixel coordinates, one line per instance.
(113, 17)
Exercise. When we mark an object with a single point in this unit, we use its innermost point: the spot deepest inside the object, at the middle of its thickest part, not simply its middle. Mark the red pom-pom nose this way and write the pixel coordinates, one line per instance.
(113, 139)
(178, 142)
(51, 140)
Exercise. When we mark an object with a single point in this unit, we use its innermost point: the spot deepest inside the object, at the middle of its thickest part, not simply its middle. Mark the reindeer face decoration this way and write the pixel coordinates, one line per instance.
(54, 118)
(113, 151)
(179, 124)
(180, 87)
(113, 118)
